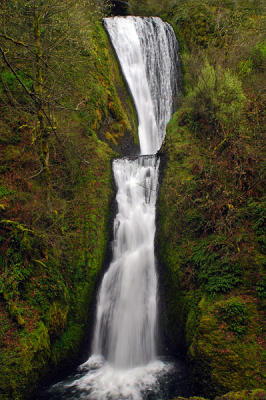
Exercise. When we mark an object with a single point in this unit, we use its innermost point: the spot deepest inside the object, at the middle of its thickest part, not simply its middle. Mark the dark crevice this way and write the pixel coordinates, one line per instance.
(119, 7)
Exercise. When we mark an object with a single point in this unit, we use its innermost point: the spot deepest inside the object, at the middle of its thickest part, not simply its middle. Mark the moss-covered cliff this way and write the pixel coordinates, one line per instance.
(210, 247)
(211, 203)
(54, 228)
(52, 249)
(256, 394)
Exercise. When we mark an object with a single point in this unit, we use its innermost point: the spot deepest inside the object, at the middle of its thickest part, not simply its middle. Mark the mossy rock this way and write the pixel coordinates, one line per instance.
(212, 304)
(257, 394)
(190, 398)
(227, 351)
(118, 123)
(24, 364)
(52, 256)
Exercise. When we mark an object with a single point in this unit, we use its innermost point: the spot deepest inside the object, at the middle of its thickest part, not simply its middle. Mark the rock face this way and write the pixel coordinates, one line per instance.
(52, 254)
(119, 7)
(211, 242)
(213, 307)
(244, 395)
(258, 394)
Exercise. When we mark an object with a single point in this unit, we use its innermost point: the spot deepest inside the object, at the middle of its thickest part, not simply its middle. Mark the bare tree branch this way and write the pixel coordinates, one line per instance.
(17, 42)
(15, 73)
(38, 173)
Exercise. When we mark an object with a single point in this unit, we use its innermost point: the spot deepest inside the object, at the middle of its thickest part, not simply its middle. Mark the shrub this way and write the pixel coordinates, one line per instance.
(255, 213)
(215, 103)
(215, 271)
(4, 192)
(258, 55)
(261, 289)
(195, 23)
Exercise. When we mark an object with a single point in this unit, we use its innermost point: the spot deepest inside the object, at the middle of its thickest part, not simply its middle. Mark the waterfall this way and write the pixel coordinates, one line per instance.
(126, 315)
(127, 306)
(124, 361)
(147, 50)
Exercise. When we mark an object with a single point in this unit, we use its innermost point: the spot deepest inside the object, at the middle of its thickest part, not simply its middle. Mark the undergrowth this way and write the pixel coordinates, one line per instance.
(211, 203)
(52, 247)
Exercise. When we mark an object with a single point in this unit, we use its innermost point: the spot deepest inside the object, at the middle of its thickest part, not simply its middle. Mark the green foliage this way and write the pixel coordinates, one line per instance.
(216, 282)
(245, 68)
(261, 289)
(257, 394)
(211, 207)
(9, 79)
(255, 62)
(190, 398)
(52, 251)
(215, 103)
(206, 246)
(4, 192)
(234, 313)
(255, 212)
(34, 350)
(67, 346)
(148, 7)
(195, 221)
(215, 272)
(195, 23)
(258, 55)
(20, 278)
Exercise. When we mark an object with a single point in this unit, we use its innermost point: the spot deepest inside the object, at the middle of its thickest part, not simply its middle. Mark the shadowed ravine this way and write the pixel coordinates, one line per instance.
(125, 363)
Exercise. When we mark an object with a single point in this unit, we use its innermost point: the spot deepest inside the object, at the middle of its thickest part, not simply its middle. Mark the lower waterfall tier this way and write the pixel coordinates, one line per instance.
(125, 330)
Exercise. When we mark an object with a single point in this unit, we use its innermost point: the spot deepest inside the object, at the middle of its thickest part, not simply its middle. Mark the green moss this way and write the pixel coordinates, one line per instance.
(231, 354)
(233, 312)
(211, 206)
(52, 254)
(258, 394)
(67, 347)
(211, 297)
(4, 192)
(54, 284)
(190, 398)
(111, 99)
(28, 359)
(56, 319)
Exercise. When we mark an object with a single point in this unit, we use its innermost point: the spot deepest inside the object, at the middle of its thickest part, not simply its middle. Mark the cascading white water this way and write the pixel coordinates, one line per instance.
(147, 50)
(126, 310)
(124, 362)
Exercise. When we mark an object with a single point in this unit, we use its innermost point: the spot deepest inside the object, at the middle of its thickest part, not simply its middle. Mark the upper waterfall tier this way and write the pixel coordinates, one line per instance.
(124, 362)
(147, 50)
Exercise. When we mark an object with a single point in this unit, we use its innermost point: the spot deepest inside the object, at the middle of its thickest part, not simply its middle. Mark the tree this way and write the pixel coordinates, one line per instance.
(149, 7)
(37, 37)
